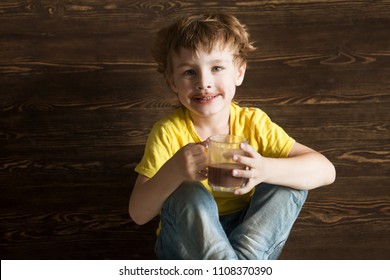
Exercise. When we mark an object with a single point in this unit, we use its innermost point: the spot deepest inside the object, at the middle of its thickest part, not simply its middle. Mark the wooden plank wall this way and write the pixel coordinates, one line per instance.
(79, 93)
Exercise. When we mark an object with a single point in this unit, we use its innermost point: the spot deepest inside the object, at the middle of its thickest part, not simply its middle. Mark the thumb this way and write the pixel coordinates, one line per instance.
(204, 143)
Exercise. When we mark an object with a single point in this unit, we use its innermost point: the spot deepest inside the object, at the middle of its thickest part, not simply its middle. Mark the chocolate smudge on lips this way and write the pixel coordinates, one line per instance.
(205, 99)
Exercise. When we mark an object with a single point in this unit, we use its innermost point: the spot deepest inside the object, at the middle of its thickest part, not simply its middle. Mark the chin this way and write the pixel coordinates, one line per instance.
(211, 111)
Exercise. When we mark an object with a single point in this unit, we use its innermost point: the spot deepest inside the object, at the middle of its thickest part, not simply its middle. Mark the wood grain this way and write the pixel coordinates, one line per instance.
(79, 93)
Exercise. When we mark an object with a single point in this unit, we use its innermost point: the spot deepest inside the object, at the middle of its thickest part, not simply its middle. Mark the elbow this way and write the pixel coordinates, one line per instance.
(139, 222)
(136, 217)
(330, 177)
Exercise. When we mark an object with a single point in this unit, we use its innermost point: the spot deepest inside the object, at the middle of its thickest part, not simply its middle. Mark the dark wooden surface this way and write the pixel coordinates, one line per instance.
(79, 93)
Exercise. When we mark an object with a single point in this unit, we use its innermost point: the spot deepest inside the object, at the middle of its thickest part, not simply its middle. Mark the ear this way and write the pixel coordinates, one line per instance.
(240, 74)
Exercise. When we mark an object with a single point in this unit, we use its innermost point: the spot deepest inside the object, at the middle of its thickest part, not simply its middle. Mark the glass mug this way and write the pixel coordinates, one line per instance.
(221, 149)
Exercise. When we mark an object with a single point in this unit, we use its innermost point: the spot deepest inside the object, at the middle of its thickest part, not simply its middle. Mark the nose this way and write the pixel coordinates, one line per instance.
(204, 81)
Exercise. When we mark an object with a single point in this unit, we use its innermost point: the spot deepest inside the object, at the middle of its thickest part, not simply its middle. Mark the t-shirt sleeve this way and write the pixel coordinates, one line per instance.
(157, 152)
(275, 142)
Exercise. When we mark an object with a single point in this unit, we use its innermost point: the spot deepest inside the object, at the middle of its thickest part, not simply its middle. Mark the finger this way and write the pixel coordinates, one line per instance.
(248, 149)
(200, 160)
(202, 147)
(201, 165)
(247, 188)
(204, 144)
(202, 174)
(197, 149)
(247, 161)
(240, 173)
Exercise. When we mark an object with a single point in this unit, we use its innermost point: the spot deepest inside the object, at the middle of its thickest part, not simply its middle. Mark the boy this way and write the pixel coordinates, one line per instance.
(203, 58)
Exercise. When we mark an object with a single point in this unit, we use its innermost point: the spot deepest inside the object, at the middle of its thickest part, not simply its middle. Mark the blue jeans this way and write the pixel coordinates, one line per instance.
(192, 229)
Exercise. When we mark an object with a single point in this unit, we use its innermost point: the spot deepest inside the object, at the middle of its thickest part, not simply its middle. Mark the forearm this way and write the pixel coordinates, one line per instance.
(149, 195)
(306, 171)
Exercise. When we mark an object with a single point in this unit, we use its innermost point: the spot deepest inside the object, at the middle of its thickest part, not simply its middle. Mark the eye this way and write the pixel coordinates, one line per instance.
(217, 68)
(189, 72)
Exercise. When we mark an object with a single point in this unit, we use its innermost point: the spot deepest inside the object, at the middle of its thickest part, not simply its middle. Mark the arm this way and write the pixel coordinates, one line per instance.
(149, 195)
(303, 169)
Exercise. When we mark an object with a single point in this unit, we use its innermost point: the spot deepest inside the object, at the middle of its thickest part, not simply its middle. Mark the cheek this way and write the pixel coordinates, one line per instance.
(226, 83)
(176, 86)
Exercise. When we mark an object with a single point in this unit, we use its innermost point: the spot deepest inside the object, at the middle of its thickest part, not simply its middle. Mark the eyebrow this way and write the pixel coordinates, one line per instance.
(214, 61)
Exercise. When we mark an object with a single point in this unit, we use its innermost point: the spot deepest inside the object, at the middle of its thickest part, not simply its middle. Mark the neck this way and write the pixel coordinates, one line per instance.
(212, 125)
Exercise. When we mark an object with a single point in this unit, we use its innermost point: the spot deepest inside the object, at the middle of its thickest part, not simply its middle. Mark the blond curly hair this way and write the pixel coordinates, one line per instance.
(201, 32)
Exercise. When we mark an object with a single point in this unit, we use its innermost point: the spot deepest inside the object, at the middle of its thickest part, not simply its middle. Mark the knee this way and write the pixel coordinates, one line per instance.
(294, 195)
(282, 193)
(190, 195)
(298, 196)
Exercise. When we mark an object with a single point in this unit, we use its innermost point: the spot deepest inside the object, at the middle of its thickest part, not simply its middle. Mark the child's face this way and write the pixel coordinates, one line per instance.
(206, 83)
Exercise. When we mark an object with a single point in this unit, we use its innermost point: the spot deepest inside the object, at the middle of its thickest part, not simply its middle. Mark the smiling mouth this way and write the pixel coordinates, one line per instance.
(204, 99)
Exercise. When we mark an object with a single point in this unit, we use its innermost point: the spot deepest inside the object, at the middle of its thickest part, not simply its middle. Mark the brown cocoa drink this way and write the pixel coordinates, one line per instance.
(221, 175)
(221, 150)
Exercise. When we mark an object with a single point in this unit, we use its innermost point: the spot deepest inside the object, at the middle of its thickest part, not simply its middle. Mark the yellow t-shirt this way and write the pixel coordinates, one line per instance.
(175, 131)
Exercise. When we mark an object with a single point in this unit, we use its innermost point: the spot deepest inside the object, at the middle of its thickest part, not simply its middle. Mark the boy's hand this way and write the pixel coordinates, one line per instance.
(255, 172)
(191, 162)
